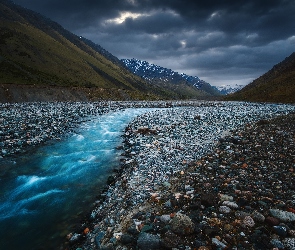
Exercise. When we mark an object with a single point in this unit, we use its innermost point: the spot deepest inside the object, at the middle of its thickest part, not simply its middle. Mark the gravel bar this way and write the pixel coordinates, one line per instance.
(214, 175)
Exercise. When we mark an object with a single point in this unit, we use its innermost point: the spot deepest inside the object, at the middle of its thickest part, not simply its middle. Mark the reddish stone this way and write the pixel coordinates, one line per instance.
(245, 165)
(272, 221)
(291, 210)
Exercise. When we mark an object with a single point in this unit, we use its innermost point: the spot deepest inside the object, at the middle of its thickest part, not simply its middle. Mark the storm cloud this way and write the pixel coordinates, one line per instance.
(222, 42)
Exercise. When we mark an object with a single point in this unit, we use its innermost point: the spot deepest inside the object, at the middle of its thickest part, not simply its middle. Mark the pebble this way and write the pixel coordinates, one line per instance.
(224, 209)
(277, 243)
(289, 243)
(181, 224)
(218, 243)
(248, 222)
(224, 197)
(258, 217)
(280, 230)
(230, 204)
(282, 215)
(148, 241)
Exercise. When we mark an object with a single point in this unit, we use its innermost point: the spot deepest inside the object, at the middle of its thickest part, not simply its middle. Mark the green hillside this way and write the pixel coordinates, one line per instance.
(35, 50)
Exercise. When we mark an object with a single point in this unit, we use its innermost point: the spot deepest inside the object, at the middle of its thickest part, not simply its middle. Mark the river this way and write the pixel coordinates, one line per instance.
(47, 190)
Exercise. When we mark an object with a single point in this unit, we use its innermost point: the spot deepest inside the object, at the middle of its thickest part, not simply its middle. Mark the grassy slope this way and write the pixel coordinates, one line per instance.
(277, 85)
(28, 55)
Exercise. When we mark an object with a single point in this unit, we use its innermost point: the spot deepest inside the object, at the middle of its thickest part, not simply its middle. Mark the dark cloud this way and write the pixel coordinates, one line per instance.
(220, 41)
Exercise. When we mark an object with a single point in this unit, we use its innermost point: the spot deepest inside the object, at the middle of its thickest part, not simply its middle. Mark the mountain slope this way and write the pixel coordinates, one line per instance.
(36, 50)
(277, 85)
(180, 84)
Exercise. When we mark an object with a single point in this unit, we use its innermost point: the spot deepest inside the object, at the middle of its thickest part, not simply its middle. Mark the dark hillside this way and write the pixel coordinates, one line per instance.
(36, 50)
(277, 85)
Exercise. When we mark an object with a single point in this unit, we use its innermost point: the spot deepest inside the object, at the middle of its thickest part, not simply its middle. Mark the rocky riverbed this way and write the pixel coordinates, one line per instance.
(214, 176)
(26, 125)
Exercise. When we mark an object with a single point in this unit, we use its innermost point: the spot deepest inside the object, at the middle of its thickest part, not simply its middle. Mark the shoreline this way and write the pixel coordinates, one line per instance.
(29, 124)
(146, 222)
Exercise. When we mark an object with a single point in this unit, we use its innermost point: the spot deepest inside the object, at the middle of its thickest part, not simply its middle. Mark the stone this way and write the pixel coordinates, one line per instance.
(75, 237)
(170, 240)
(258, 217)
(224, 209)
(126, 239)
(289, 243)
(272, 221)
(218, 243)
(108, 246)
(165, 218)
(225, 197)
(228, 227)
(230, 204)
(241, 214)
(280, 230)
(282, 215)
(248, 222)
(208, 200)
(277, 243)
(147, 229)
(98, 238)
(181, 224)
(148, 241)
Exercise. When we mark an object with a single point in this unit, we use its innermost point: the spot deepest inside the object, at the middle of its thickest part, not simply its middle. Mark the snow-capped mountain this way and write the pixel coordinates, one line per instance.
(161, 76)
(228, 89)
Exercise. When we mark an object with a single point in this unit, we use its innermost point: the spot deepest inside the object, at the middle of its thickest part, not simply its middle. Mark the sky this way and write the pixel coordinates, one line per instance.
(224, 42)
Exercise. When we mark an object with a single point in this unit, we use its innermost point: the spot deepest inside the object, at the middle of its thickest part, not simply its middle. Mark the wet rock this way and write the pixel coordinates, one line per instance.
(224, 197)
(211, 231)
(170, 240)
(280, 230)
(209, 199)
(127, 239)
(218, 243)
(277, 243)
(181, 224)
(248, 222)
(98, 238)
(224, 209)
(272, 221)
(148, 241)
(258, 217)
(230, 204)
(282, 215)
(165, 218)
(289, 243)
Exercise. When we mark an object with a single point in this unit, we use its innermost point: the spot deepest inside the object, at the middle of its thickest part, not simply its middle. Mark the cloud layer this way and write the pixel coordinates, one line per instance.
(222, 42)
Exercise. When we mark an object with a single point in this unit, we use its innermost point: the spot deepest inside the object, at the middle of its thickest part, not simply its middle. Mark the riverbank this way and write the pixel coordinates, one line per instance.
(24, 126)
(180, 188)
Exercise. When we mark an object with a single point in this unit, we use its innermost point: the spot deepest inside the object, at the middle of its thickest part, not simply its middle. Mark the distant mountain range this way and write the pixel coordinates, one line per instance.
(277, 85)
(185, 85)
(228, 89)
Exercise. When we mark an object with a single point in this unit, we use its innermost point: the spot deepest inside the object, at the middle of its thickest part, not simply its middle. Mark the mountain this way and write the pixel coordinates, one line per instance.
(277, 85)
(228, 89)
(37, 53)
(180, 84)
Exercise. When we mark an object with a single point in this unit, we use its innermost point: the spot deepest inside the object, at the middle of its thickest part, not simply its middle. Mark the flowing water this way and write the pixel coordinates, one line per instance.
(44, 192)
